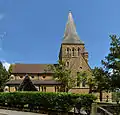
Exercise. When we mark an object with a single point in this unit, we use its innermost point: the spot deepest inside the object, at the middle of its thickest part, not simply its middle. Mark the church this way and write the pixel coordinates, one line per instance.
(72, 51)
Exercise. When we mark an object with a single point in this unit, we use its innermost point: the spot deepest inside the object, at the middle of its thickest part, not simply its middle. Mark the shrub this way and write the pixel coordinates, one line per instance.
(45, 100)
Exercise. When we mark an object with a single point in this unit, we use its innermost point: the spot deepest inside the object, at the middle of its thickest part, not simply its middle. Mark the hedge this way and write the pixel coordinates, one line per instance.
(115, 96)
(45, 100)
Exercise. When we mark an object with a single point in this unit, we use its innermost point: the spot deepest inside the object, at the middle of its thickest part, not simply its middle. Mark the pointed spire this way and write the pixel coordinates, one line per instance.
(70, 35)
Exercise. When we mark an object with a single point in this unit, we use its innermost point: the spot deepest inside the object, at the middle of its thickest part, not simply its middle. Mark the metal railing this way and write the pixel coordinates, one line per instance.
(103, 111)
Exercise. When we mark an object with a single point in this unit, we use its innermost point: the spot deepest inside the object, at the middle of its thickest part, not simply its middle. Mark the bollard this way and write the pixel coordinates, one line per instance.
(94, 109)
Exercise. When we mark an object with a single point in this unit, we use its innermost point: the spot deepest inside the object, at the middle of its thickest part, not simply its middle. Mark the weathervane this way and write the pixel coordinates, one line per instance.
(1, 38)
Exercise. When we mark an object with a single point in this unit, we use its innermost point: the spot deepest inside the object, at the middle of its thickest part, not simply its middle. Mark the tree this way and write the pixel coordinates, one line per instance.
(101, 80)
(4, 76)
(112, 62)
(10, 69)
(97, 80)
(88, 78)
(63, 74)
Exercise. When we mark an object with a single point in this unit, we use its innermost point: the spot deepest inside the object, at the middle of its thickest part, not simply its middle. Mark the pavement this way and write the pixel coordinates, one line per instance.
(11, 112)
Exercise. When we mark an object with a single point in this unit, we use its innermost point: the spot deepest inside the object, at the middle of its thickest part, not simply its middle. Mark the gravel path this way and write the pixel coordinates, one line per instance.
(10, 112)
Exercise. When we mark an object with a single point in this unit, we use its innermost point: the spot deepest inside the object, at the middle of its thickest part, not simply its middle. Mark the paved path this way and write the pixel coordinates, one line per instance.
(9, 112)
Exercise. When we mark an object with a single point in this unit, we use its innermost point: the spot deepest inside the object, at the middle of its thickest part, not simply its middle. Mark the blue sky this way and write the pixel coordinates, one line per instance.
(35, 28)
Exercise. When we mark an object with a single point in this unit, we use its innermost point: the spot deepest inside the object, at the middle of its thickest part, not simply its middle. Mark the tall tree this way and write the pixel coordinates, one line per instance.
(112, 62)
(97, 80)
(4, 76)
(63, 74)
(101, 80)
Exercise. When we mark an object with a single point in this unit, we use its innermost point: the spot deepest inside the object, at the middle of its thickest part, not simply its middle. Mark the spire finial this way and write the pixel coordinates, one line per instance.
(70, 11)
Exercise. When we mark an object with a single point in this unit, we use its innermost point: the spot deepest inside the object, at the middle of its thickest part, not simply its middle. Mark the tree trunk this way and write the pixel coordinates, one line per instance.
(67, 89)
(62, 88)
(90, 89)
(100, 95)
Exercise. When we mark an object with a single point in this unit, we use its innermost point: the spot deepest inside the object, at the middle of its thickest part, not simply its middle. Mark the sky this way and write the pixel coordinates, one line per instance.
(31, 31)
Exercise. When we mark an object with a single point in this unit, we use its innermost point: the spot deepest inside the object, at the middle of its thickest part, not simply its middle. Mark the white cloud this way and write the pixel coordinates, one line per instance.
(2, 16)
(6, 65)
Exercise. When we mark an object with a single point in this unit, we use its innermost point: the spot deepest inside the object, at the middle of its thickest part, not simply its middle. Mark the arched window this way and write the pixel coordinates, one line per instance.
(6, 89)
(67, 51)
(67, 64)
(32, 76)
(21, 77)
(73, 51)
(80, 67)
(78, 79)
(12, 77)
(83, 83)
(78, 51)
(43, 89)
(43, 76)
(56, 88)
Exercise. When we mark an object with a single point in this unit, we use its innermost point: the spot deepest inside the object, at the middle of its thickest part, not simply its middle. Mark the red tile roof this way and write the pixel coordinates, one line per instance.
(30, 68)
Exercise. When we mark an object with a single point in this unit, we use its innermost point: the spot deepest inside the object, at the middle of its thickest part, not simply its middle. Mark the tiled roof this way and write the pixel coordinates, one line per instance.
(30, 68)
(35, 82)
(70, 35)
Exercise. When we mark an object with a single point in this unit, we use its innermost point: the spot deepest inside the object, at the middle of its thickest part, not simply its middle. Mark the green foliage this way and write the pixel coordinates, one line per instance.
(101, 79)
(3, 76)
(10, 69)
(63, 75)
(112, 62)
(116, 96)
(88, 77)
(97, 80)
(45, 100)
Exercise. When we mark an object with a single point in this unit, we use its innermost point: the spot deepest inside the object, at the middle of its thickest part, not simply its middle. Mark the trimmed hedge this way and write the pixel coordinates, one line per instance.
(45, 100)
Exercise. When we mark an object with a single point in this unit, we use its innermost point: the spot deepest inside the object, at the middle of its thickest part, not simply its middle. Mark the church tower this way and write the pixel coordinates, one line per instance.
(72, 50)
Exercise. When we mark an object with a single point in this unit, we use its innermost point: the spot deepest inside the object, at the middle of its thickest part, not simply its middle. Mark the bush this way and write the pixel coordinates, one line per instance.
(115, 96)
(46, 100)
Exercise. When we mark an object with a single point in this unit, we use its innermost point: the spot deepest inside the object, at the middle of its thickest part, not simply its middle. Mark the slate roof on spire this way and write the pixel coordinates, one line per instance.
(70, 35)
